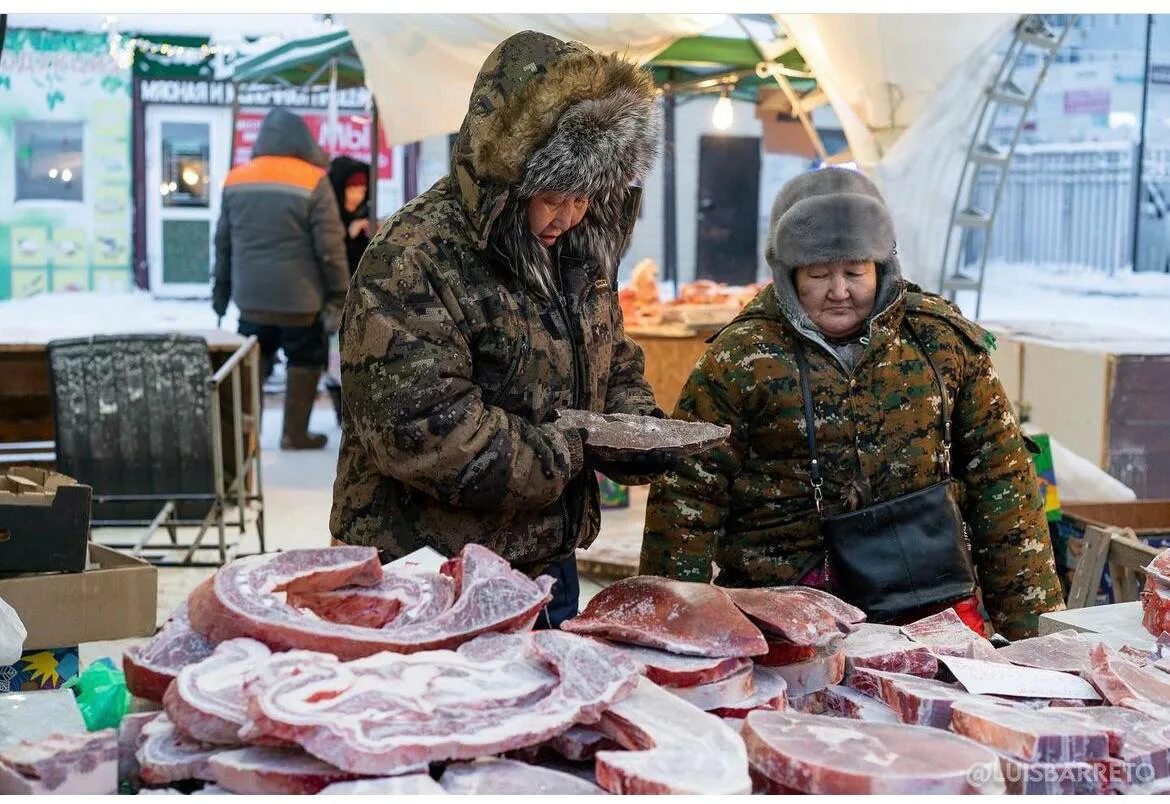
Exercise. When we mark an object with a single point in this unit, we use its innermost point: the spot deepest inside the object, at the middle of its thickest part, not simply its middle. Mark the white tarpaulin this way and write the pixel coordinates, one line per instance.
(420, 67)
(907, 89)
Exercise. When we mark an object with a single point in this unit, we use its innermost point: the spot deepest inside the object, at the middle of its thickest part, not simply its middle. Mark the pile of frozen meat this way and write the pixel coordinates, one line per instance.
(321, 671)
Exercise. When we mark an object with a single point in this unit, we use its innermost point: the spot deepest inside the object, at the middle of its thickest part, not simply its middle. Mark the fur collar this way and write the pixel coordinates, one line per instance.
(552, 115)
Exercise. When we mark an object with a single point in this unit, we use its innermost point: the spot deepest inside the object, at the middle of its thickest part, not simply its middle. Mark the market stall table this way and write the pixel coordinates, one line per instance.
(1118, 624)
(671, 351)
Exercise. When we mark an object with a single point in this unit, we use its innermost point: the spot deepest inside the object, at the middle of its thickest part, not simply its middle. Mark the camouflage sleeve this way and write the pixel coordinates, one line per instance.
(1003, 506)
(628, 390)
(412, 402)
(688, 507)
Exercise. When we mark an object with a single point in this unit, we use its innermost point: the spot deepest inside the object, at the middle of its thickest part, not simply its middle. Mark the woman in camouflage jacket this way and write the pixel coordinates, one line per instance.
(747, 507)
(489, 303)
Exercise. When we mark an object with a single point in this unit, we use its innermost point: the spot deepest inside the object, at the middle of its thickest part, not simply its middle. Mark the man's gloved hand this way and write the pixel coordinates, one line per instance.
(330, 319)
(658, 413)
(220, 294)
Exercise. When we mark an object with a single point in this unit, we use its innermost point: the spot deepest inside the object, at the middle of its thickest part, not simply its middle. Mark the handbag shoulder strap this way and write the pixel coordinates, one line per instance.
(810, 416)
(942, 390)
(810, 425)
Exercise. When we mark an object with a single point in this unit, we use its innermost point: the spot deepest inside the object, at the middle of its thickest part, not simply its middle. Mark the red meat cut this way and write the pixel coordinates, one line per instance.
(917, 701)
(150, 668)
(781, 652)
(847, 702)
(1123, 683)
(507, 777)
(1159, 570)
(1065, 651)
(1141, 742)
(945, 633)
(1155, 599)
(490, 596)
(817, 754)
(392, 713)
(129, 736)
(265, 770)
(1052, 778)
(672, 747)
(805, 678)
(62, 765)
(718, 694)
(692, 619)
(206, 701)
(1028, 734)
(165, 755)
(672, 669)
(402, 597)
(798, 614)
(771, 689)
(885, 647)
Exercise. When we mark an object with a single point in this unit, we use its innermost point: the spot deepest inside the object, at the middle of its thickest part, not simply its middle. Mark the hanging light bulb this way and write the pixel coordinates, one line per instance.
(723, 115)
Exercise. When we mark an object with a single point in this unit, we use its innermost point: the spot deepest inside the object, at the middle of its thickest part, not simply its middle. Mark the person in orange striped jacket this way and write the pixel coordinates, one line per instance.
(280, 255)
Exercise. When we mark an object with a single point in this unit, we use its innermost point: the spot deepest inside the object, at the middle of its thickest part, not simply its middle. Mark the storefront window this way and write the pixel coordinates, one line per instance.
(49, 160)
(185, 155)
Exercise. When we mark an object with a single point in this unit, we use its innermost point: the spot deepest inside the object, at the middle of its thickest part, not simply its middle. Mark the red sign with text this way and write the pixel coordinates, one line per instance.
(353, 137)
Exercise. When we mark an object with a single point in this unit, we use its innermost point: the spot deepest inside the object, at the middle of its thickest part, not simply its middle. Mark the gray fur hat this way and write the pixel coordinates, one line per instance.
(829, 215)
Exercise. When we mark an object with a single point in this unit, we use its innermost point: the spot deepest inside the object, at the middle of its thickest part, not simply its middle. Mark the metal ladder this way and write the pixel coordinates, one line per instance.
(970, 224)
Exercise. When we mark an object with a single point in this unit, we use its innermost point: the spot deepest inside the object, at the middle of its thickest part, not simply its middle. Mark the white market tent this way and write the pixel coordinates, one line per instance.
(906, 87)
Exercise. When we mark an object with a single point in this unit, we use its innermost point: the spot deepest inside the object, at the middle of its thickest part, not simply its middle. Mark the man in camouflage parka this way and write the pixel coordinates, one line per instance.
(747, 506)
(463, 335)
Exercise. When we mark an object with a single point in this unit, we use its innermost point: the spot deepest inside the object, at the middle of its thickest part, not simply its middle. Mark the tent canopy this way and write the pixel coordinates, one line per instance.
(304, 61)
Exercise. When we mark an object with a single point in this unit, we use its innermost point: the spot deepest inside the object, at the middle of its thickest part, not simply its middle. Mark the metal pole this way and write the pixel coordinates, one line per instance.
(1141, 150)
(375, 155)
(669, 189)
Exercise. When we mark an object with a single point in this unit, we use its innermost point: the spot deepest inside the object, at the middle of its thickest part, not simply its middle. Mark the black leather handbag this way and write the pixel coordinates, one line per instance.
(896, 557)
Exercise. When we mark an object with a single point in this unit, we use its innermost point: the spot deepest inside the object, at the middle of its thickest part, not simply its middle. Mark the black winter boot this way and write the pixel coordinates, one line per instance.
(299, 395)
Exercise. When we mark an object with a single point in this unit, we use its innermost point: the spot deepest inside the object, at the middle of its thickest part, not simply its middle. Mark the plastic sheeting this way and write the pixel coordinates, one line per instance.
(907, 89)
(420, 67)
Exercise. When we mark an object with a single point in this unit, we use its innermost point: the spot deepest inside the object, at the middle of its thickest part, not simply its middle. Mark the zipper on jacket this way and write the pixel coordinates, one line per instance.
(513, 370)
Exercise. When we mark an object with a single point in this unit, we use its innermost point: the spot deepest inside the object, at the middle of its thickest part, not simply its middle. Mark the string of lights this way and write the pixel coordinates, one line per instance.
(123, 48)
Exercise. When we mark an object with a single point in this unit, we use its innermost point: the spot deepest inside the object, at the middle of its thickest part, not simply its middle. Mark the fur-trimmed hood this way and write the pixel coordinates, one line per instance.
(551, 115)
(830, 215)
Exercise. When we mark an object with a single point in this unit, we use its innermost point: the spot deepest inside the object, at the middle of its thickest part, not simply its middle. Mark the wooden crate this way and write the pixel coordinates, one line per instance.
(1101, 393)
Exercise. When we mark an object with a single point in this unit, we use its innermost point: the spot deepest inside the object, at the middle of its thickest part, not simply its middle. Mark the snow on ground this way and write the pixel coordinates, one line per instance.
(1126, 302)
(70, 315)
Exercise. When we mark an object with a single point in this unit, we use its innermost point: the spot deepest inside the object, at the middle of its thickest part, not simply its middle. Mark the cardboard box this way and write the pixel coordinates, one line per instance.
(1099, 391)
(116, 599)
(1150, 519)
(44, 521)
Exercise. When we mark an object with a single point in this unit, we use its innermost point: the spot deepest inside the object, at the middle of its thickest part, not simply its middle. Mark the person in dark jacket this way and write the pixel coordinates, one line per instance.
(351, 186)
(351, 182)
(280, 255)
(488, 304)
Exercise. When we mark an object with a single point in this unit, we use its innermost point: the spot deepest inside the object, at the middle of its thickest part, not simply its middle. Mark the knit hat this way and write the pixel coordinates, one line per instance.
(357, 179)
(825, 216)
(829, 215)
